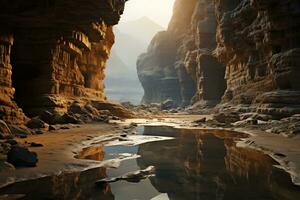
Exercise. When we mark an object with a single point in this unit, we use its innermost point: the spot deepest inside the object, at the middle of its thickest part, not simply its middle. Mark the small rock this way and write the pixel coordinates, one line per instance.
(92, 110)
(69, 118)
(33, 144)
(46, 116)
(76, 108)
(227, 118)
(11, 142)
(5, 132)
(5, 148)
(22, 157)
(17, 130)
(21, 135)
(5, 166)
(115, 118)
(56, 118)
(280, 155)
(133, 124)
(168, 104)
(52, 128)
(37, 123)
(105, 112)
(39, 132)
(199, 121)
(64, 127)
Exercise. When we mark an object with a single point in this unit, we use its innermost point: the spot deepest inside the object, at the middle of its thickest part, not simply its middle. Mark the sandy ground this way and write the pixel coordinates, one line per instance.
(61, 146)
(57, 154)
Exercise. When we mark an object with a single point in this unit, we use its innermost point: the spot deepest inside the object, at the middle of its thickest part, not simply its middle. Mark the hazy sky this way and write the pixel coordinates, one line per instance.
(159, 11)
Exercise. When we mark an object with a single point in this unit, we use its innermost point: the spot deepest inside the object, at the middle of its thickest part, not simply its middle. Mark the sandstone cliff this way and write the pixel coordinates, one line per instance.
(52, 51)
(222, 52)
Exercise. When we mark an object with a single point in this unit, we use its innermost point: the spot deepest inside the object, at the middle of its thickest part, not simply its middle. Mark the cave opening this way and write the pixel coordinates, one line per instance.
(215, 87)
(26, 77)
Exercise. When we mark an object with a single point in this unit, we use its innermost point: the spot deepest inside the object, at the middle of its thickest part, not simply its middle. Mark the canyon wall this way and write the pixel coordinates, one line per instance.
(237, 52)
(53, 51)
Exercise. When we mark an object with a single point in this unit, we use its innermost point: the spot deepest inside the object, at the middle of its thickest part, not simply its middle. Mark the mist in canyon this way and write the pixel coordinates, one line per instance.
(141, 21)
(131, 39)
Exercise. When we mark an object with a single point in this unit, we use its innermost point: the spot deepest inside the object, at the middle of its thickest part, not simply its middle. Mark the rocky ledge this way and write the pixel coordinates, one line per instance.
(239, 54)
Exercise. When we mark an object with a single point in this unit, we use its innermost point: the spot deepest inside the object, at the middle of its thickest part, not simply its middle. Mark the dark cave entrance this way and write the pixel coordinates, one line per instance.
(213, 79)
(27, 79)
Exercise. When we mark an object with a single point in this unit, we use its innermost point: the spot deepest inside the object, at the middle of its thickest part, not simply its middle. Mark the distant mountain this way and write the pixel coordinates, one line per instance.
(127, 48)
(131, 39)
(142, 29)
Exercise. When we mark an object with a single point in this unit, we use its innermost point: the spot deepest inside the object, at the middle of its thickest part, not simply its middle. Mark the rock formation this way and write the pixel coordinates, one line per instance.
(52, 52)
(191, 39)
(258, 42)
(239, 52)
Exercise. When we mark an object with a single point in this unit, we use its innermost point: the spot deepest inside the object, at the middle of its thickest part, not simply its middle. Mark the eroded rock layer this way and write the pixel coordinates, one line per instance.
(242, 52)
(53, 50)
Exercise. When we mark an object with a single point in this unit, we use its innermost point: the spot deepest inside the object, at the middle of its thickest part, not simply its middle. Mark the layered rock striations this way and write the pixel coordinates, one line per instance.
(241, 52)
(53, 51)
(258, 41)
(191, 38)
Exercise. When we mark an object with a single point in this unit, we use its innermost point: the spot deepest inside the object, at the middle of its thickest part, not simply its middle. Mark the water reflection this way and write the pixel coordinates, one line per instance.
(204, 165)
(208, 165)
(70, 186)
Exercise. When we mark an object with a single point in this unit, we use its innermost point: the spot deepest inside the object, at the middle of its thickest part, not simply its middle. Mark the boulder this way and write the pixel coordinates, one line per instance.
(19, 130)
(37, 123)
(47, 116)
(168, 104)
(56, 119)
(11, 142)
(22, 157)
(92, 110)
(227, 118)
(5, 132)
(70, 118)
(77, 108)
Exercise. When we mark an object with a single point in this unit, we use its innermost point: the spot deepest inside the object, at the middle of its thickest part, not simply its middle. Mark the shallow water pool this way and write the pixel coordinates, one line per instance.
(194, 165)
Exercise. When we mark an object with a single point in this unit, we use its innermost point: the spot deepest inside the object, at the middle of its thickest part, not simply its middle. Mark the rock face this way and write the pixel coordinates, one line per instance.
(52, 51)
(258, 42)
(189, 42)
(237, 52)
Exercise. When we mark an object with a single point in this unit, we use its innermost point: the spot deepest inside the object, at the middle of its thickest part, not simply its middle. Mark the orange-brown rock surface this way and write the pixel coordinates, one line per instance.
(239, 52)
(52, 51)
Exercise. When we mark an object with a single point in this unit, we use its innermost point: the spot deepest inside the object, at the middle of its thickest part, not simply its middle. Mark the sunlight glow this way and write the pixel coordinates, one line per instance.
(159, 11)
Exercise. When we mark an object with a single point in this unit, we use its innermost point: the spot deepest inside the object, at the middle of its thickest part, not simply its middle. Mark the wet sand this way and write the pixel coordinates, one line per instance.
(58, 152)
(60, 147)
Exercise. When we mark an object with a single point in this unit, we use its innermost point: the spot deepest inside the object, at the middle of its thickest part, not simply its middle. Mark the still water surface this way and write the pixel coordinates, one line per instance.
(195, 165)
